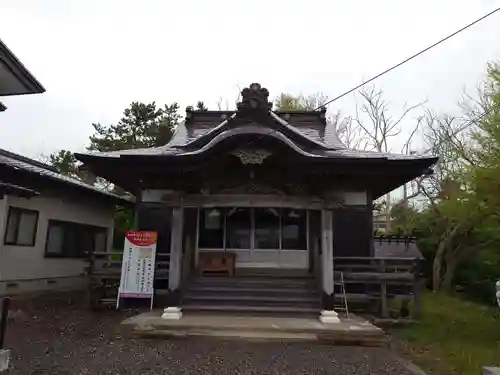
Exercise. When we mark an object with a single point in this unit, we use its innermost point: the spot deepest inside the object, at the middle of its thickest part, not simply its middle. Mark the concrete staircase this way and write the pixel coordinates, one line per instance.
(263, 293)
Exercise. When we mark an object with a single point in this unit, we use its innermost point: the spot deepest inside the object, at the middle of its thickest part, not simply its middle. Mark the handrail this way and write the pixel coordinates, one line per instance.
(375, 259)
(395, 237)
(107, 253)
(384, 273)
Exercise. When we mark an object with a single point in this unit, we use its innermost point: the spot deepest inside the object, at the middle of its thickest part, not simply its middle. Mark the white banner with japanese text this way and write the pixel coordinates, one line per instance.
(138, 266)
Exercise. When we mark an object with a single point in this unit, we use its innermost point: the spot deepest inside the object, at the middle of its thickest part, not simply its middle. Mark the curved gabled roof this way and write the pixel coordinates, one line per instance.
(311, 125)
(172, 149)
(306, 132)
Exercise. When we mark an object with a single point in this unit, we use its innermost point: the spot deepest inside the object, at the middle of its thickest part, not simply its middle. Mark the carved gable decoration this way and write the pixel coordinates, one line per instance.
(248, 156)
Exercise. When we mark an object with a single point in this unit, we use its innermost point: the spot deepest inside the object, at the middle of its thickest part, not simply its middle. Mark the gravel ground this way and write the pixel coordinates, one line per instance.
(60, 337)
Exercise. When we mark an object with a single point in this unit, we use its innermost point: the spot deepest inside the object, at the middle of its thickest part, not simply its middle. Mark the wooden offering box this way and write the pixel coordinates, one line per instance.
(217, 262)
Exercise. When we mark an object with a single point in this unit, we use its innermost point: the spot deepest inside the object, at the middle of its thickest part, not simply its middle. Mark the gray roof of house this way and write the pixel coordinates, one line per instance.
(20, 162)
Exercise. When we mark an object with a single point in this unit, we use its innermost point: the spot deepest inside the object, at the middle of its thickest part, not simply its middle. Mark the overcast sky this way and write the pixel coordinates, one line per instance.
(95, 57)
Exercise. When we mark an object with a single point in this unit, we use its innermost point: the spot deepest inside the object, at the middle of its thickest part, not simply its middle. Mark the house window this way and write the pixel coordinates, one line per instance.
(21, 227)
(72, 240)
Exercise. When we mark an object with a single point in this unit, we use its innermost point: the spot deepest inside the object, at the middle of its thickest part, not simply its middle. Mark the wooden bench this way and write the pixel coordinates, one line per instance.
(217, 262)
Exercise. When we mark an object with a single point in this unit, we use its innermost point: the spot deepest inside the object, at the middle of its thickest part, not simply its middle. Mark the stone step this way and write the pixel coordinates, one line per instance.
(252, 310)
(256, 326)
(229, 334)
(265, 282)
(274, 274)
(246, 290)
(359, 339)
(253, 300)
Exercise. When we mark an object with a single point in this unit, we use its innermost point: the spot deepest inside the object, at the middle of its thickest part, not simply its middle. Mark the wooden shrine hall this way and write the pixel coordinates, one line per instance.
(260, 210)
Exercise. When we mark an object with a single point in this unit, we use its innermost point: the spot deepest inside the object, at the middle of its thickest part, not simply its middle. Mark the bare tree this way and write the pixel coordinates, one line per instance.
(223, 104)
(377, 127)
(347, 131)
(377, 123)
(457, 209)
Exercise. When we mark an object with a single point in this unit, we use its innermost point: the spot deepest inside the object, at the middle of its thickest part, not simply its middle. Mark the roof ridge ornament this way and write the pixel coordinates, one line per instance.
(254, 101)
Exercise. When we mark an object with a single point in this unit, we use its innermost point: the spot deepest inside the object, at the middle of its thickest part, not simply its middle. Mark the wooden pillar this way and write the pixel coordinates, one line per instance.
(384, 307)
(175, 266)
(327, 258)
(137, 206)
(328, 315)
(174, 275)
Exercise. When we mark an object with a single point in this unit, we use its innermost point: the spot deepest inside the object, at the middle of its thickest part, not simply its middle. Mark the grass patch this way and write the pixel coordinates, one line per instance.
(454, 337)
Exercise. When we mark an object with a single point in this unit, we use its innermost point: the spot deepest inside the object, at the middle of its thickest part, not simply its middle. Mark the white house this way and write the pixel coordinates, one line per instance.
(48, 222)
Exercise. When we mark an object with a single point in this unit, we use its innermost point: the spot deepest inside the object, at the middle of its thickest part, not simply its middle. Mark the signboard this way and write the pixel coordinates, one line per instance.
(138, 266)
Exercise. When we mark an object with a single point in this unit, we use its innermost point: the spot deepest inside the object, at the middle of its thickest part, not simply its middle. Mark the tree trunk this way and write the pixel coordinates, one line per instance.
(388, 214)
(451, 267)
(456, 258)
(440, 254)
(436, 265)
(453, 260)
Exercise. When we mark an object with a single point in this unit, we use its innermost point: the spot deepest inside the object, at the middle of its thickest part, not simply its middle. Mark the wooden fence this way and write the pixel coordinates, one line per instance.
(380, 281)
(104, 270)
(375, 282)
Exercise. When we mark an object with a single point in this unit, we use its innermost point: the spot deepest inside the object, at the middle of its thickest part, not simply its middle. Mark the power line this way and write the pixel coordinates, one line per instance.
(410, 58)
(397, 66)
(466, 125)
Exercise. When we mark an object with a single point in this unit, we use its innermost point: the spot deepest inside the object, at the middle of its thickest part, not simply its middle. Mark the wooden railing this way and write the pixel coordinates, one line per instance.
(380, 281)
(104, 271)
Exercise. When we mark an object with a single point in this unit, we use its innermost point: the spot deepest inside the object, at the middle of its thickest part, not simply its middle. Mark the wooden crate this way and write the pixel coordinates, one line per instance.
(217, 262)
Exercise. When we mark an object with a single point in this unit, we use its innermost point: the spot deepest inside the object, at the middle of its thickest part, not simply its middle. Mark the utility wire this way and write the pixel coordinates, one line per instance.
(397, 66)
(409, 58)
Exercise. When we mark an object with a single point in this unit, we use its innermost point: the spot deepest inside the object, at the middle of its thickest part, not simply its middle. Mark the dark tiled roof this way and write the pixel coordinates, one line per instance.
(396, 249)
(311, 125)
(173, 149)
(6, 188)
(31, 84)
(20, 162)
